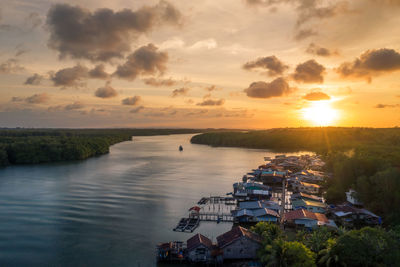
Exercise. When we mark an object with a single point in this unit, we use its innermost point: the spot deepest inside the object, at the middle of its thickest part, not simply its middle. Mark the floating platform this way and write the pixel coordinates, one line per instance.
(187, 224)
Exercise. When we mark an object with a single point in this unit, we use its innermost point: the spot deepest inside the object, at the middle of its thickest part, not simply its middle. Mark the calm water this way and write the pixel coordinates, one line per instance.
(114, 209)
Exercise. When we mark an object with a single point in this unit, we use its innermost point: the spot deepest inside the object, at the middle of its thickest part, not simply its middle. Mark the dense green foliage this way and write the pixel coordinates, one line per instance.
(321, 139)
(364, 159)
(24, 146)
(327, 247)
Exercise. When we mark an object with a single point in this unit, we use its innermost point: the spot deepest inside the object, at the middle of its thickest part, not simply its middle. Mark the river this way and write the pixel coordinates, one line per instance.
(112, 210)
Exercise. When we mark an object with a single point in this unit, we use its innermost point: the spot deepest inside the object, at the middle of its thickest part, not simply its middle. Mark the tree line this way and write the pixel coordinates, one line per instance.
(29, 146)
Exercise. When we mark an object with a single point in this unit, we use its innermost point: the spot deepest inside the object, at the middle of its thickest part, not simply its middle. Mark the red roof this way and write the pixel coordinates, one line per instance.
(197, 240)
(195, 208)
(234, 234)
(304, 214)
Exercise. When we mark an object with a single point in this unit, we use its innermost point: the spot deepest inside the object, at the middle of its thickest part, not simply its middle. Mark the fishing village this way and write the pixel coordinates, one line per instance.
(285, 190)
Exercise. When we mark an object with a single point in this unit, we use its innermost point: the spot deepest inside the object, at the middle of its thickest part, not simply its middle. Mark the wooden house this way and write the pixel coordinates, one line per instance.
(199, 249)
(239, 243)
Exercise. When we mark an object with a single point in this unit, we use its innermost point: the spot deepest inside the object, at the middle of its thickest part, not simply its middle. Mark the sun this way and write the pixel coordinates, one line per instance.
(320, 113)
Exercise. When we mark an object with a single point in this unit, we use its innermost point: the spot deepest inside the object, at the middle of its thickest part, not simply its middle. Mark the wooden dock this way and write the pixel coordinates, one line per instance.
(215, 217)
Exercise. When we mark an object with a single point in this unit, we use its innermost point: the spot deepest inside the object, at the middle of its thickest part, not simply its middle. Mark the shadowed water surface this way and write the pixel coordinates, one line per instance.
(114, 209)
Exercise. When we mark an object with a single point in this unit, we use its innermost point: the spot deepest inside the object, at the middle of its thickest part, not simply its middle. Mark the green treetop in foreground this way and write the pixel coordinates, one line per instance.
(328, 247)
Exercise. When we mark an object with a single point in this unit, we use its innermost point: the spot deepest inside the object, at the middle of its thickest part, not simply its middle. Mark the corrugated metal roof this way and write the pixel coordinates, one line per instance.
(234, 234)
(304, 214)
(197, 240)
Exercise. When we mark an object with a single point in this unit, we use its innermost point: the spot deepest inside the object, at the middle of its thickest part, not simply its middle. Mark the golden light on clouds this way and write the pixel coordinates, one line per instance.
(307, 63)
(321, 113)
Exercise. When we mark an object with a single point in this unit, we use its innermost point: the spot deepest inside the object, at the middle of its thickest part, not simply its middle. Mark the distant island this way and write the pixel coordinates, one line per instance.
(366, 160)
(31, 146)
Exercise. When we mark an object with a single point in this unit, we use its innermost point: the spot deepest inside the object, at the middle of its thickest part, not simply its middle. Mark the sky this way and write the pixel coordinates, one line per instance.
(251, 64)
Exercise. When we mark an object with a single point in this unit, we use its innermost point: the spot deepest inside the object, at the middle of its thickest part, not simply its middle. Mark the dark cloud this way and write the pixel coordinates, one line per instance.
(103, 34)
(37, 98)
(146, 60)
(320, 51)
(302, 34)
(74, 106)
(20, 50)
(387, 106)
(309, 72)
(106, 92)
(180, 91)
(370, 63)
(131, 101)
(272, 64)
(308, 9)
(35, 79)
(136, 110)
(10, 66)
(316, 96)
(211, 102)
(276, 88)
(212, 88)
(159, 82)
(70, 77)
(17, 99)
(311, 9)
(98, 72)
(34, 99)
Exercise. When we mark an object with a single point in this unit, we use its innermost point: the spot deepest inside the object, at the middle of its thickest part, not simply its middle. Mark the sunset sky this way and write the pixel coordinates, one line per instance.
(212, 63)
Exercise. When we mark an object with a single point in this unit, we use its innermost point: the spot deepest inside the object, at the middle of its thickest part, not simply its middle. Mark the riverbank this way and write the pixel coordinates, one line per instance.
(32, 146)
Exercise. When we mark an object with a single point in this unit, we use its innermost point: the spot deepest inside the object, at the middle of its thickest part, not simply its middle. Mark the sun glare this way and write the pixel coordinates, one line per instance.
(320, 113)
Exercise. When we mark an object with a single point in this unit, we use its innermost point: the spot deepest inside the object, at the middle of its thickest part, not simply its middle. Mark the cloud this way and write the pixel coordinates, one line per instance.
(272, 64)
(276, 88)
(180, 91)
(136, 110)
(212, 88)
(316, 96)
(35, 79)
(74, 106)
(308, 9)
(131, 101)
(106, 92)
(146, 60)
(159, 82)
(34, 99)
(103, 34)
(37, 98)
(320, 51)
(371, 63)
(211, 102)
(70, 77)
(33, 20)
(302, 34)
(386, 106)
(309, 72)
(98, 72)
(204, 44)
(20, 50)
(10, 66)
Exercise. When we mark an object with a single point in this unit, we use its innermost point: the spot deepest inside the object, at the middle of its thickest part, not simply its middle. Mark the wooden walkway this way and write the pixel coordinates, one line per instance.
(215, 217)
